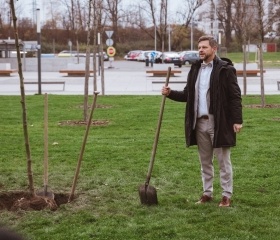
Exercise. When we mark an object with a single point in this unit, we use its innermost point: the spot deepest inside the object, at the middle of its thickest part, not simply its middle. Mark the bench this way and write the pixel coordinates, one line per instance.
(163, 73)
(7, 72)
(176, 85)
(75, 73)
(249, 73)
(278, 85)
(170, 82)
(49, 82)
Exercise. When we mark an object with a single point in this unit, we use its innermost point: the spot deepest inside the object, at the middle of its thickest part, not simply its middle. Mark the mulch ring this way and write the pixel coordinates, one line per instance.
(20, 200)
(102, 106)
(260, 106)
(97, 106)
(266, 106)
(82, 123)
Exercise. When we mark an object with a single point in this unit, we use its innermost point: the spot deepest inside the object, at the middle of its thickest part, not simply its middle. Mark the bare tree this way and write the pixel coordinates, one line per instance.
(188, 10)
(163, 23)
(94, 45)
(149, 13)
(260, 26)
(95, 23)
(53, 10)
(243, 20)
(250, 23)
(80, 19)
(100, 22)
(273, 18)
(114, 14)
(141, 15)
(87, 65)
(23, 104)
(224, 14)
(187, 13)
(4, 14)
(70, 18)
(75, 16)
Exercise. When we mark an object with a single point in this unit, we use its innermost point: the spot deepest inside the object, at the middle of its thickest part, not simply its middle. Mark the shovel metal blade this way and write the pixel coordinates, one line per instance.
(46, 195)
(148, 195)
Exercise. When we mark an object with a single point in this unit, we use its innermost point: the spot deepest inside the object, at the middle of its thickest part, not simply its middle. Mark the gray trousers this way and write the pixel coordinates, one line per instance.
(204, 136)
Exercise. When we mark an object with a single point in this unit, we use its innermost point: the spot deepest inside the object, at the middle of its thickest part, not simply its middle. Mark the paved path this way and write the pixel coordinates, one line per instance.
(126, 78)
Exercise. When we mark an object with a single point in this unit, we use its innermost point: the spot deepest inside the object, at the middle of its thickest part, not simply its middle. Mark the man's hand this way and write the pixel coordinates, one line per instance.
(165, 90)
(237, 127)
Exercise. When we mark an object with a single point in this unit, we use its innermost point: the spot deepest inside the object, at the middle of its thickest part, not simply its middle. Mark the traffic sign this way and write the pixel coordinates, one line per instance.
(111, 51)
(109, 42)
(109, 33)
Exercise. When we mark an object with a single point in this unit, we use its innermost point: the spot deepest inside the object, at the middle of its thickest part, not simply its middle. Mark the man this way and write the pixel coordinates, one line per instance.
(213, 116)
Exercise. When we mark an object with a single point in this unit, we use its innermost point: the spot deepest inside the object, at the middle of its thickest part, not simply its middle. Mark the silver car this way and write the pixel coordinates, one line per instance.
(171, 57)
(189, 57)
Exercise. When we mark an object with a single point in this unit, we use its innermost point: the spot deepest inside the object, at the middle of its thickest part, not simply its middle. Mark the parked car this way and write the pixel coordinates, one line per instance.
(132, 55)
(67, 53)
(182, 53)
(158, 58)
(142, 56)
(147, 54)
(171, 57)
(190, 57)
(82, 54)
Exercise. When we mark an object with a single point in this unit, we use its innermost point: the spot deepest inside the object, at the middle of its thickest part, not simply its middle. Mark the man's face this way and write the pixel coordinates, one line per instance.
(206, 52)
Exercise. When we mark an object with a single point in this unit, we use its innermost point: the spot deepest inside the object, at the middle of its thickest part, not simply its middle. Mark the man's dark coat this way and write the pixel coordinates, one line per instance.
(225, 102)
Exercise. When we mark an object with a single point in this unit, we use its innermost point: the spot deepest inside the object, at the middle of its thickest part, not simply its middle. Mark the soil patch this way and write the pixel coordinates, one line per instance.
(19, 200)
(260, 106)
(82, 123)
(103, 106)
(97, 106)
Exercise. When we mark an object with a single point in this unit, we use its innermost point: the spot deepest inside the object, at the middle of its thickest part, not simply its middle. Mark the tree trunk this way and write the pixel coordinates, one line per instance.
(228, 27)
(260, 4)
(87, 66)
(24, 112)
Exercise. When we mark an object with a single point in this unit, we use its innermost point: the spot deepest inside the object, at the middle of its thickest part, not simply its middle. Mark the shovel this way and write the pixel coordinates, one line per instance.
(148, 193)
(46, 193)
(82, 149)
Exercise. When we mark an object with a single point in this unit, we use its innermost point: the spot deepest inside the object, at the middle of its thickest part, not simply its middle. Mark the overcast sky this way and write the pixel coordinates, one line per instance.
(30, 6)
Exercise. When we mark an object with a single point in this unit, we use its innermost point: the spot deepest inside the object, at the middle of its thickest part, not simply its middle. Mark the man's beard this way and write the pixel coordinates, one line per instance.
(205, 57)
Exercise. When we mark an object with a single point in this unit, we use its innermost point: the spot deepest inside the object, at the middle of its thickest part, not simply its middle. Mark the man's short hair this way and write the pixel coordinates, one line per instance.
(210, 38)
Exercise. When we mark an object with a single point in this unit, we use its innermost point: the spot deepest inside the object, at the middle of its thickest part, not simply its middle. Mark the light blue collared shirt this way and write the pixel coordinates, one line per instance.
(203, 86)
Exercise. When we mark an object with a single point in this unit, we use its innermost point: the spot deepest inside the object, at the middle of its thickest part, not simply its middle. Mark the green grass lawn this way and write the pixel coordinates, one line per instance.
(271, 59)
(116, 161)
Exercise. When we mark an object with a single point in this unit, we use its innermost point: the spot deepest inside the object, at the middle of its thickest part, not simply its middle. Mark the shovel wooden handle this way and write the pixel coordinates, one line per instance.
(46, 145)
(150, 169)
(82, 149)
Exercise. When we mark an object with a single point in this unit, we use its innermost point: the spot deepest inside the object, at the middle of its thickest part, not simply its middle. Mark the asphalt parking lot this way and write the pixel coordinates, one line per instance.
(122, 78)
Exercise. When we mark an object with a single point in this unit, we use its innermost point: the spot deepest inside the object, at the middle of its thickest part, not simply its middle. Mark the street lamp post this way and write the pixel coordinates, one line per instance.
(155, 37)
(39, 51)
(169, 38)
(219, 43)
(100, 53)
(192, 33)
